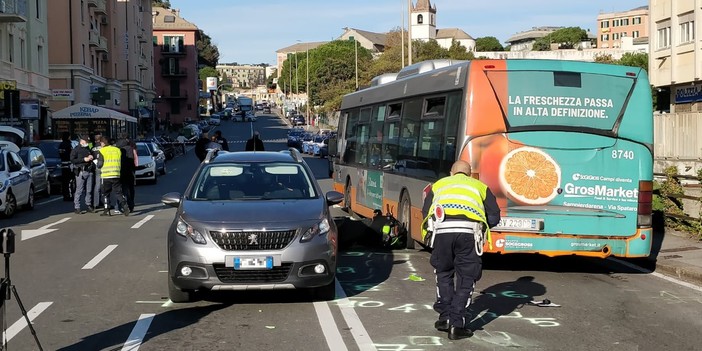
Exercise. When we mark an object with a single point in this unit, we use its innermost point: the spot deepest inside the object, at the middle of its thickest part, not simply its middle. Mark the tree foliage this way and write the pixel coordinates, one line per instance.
(207, 72)
(542, 44)
(568, 38)
(161, 3)
(488, 44)
(459, 52)
(208, 53)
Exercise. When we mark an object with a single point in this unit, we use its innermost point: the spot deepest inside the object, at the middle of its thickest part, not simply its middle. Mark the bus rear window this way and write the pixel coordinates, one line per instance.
(563, 99)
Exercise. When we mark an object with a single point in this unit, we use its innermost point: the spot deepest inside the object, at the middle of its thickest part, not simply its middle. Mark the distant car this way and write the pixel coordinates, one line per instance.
(159, 156)
(146, 168)
(215, 120)
(34, 159)
(266, 109)
(16, 186)
(252, 221)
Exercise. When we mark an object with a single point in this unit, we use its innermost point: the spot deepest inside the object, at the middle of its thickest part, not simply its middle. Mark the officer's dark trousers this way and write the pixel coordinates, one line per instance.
(112, 186)
(454, 255)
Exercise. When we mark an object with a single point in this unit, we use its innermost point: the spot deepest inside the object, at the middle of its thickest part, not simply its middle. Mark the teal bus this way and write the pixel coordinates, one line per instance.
(565, 146)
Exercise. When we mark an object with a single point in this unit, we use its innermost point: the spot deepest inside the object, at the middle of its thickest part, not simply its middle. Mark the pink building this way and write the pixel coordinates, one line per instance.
(175, 66)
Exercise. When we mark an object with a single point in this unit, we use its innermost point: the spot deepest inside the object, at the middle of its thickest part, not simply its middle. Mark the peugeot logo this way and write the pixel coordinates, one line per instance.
(253, 239)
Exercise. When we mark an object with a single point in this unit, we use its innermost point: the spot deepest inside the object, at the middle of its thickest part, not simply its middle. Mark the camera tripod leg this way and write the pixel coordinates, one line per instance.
(26, 317)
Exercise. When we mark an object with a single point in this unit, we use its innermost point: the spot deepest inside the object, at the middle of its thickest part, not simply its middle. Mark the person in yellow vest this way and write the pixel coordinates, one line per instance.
(458, 212)
(109, 163)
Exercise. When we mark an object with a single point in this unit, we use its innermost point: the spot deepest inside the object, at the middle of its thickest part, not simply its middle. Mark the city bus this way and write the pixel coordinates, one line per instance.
(565, 146)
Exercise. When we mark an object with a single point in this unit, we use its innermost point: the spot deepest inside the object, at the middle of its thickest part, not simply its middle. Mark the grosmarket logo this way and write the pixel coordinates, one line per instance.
(572, 190)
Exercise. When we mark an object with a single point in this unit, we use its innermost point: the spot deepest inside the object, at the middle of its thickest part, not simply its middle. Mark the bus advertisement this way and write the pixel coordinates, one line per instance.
(565, 146)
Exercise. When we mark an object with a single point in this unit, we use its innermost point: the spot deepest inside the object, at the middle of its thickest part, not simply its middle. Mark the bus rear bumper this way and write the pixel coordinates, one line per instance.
(638, 245)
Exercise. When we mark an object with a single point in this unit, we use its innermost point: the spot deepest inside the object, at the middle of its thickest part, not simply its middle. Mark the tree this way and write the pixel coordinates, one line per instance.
(207, 72)
(428, 50)
(161, 3)
(542, 44)
(604, 58)
(459, 52)
(488, 44)
(208, 53)
(568, 38)
(635, 60)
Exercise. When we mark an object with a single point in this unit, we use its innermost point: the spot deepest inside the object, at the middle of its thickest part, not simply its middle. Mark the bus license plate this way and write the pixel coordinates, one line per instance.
(253, 262)
(526, 224)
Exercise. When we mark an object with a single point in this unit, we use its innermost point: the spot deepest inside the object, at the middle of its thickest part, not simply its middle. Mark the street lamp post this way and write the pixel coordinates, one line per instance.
(409, 31)
(355, 49)
(307, 86)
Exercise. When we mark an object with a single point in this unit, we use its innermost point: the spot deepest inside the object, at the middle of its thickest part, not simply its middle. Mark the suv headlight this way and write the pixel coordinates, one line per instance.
(151, 165)
(321, 228)
(186, 230)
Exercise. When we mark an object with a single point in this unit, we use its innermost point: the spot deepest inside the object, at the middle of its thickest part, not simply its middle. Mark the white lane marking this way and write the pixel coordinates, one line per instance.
(138, 333)
(94, 262)
(49, 200)
(154, 302)
(359, 332)
(329, 327)
(56, 223)
(141, 222)
(17, 327)
(32, 233)
(168, 303)
(659, 275)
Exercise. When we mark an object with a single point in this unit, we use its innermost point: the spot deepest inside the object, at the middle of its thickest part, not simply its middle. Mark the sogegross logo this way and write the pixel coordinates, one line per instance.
(578, 176)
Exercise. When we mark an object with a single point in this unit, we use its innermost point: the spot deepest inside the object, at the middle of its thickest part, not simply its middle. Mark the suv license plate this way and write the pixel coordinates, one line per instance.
(253, 262)
(525, 224)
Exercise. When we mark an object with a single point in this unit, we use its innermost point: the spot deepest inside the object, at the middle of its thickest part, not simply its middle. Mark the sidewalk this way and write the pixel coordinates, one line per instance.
(680, 256)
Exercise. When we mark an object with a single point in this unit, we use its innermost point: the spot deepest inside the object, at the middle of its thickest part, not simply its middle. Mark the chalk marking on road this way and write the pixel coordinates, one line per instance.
(94, 262)
(138, 333)
(359, 332)
(141, 222)
(329, 327)
(49, 200)
(659, 275)
(17, 327)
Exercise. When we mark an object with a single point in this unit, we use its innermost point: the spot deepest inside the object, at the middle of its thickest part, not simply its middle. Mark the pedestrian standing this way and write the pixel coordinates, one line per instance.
(201, 146)
(64, 149)
(97, 194)
(458, 211)
(128, 169)
(109, 162)
(84, 169)
(221, 140)
(255, 143)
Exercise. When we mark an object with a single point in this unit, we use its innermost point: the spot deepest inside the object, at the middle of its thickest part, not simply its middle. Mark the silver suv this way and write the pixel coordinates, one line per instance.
(252, 221)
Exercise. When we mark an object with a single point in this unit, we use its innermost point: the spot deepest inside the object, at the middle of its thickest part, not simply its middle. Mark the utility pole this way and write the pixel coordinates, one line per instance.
(355, 49)
(402, 33)
(409, 31)
(307, 86)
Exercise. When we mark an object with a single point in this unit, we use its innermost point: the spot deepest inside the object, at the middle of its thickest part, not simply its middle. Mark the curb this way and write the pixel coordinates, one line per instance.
(680, 271)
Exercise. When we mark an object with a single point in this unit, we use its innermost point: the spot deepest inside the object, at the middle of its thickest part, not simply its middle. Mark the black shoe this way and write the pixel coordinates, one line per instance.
(126, 211)
(442, 326)
(76, 211)
(91, 209)
(106, 213)
(456, 333)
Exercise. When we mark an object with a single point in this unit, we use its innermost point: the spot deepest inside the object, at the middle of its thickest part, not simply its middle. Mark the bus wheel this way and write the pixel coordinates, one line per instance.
(404, 219)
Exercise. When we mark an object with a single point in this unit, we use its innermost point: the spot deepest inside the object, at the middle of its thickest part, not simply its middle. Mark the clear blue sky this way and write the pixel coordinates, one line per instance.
(251, 31)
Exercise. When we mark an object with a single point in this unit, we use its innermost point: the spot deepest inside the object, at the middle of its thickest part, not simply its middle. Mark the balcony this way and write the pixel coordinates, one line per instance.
(168, 72)
(93, 38)
(174, 95)
(178, 50)
(13, 11)
(141, 35)
(102, 45)
(99, 6)
(143, 62)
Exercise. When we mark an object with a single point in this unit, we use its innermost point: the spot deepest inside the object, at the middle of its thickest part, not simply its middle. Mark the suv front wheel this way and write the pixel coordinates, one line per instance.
(178, 296)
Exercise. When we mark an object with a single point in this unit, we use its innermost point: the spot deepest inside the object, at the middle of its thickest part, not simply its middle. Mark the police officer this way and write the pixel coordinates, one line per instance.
(83, 167)
(109, 163)
(64, 150)
(458, 210)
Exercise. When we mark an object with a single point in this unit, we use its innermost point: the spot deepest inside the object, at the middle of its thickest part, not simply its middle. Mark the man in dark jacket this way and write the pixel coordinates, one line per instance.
(84, 169)
(201, 146)
(64, 150)
(255, 143)
(128, 169)
(221, 140)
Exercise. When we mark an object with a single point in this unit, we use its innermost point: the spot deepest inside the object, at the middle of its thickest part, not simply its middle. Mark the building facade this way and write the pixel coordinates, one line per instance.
(24, 68)
(106, 58)
(613, 26)
(240, 77)
(423, 27)
(175, 57)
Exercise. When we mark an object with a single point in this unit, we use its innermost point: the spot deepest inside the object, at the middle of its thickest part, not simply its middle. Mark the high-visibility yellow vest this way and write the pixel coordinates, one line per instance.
(112, 160)
(460, 195)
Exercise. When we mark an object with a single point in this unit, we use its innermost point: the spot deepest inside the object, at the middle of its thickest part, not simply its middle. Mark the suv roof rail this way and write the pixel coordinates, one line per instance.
(211, 154)
(294, 153)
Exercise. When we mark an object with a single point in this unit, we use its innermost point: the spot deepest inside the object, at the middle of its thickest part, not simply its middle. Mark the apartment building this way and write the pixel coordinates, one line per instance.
(242, 76)
(101, 54)
(176, 55)
(24, 69)
(613, 26)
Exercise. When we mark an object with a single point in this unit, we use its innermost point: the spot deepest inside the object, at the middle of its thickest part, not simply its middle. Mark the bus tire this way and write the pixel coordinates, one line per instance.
(404, 216)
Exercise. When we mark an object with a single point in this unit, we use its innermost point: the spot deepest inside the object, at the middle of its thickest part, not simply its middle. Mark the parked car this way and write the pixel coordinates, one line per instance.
(159, 156)
(254, 221)
(215, 120)
(53, 162)
(34, 159)
(16, 186)
(146, 168)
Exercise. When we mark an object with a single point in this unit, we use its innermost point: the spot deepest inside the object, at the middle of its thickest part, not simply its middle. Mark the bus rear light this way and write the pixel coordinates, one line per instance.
(631, 74)
(645, 204)
(489, 66)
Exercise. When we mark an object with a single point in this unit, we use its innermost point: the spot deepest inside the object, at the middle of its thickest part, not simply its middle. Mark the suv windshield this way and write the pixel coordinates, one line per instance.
(252, 181)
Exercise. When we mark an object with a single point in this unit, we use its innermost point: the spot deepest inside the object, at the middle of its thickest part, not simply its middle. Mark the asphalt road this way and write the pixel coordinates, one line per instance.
(97, 283)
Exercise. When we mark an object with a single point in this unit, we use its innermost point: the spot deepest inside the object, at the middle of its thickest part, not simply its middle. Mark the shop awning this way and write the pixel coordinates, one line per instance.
(85, 111)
